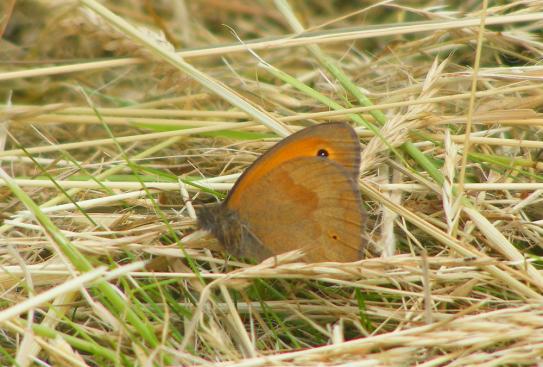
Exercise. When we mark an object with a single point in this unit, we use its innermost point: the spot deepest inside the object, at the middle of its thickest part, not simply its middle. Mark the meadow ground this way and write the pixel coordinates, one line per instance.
(116, 120)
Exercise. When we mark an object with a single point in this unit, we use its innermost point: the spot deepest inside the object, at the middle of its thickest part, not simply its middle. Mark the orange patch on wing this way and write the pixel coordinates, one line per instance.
(307, 147)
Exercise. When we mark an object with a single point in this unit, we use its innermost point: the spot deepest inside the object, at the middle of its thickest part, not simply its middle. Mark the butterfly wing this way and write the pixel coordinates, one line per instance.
(337, 142)
(310, 203)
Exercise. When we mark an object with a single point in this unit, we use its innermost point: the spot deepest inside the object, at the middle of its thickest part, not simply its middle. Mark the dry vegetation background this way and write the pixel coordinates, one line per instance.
(106, 137)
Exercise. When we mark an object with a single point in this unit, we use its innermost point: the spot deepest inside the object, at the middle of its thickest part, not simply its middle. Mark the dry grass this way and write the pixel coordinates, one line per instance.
(108, 138)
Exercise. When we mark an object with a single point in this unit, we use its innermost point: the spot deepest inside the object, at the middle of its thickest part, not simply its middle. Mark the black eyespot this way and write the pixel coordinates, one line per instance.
(335, 237)
(323, 153)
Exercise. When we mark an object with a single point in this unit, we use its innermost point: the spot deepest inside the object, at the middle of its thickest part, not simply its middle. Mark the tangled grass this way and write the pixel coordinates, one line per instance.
(109, 137)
